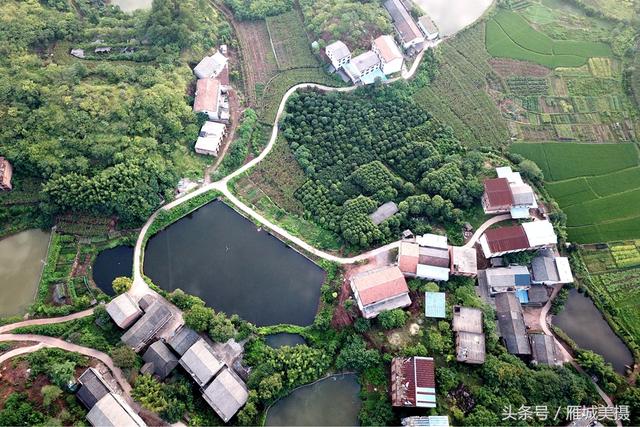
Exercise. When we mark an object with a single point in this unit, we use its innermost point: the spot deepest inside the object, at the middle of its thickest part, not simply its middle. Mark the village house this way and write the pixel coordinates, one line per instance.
(430, 257)
(145, 329)
(123, 310)
(226, 394)
(514, 278)
(6, 173)
(200, 362)
(464, 261)
(384, 212)
(364, 68)
(210, 138)
(511, 324)
(211, 100)
(543, 350)
(338, 53)
(508, 193)
(428, 27)
(389, 54)
(413, 382)
(549, 269)
(106, 408)
(159, 360)
(210, 66)
(435, 305)
(470, 341)
(530, 235)
(426, 421)
(379, 290)
(407, 30)
(182, 339)
(537, 296)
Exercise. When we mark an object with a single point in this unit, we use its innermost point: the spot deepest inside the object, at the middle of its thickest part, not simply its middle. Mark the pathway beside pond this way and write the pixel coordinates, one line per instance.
(46, 321)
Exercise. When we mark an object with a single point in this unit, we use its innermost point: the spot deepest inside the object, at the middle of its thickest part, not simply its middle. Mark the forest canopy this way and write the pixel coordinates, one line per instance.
(101, 137)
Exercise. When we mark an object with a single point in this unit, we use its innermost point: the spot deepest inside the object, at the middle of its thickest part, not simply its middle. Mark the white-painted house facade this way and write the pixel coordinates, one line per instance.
(391, 59)
(338, 53)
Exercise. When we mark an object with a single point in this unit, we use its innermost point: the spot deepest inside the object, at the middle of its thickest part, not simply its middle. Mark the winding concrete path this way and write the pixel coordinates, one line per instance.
(488, 223)
(46, 321)
(44, 341)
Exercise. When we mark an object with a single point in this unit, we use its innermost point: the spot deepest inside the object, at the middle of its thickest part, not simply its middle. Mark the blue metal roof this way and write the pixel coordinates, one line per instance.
(371, 77)
(435, 304)
(522, 279)
(523, 296)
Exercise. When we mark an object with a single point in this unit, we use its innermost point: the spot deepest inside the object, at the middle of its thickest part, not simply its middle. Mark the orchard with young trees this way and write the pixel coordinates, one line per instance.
(361, 150)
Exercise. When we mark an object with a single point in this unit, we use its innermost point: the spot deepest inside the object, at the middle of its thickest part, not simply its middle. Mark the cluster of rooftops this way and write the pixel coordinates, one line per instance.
(215, 367)
(506, 287)
(385, 57)
(211, 99)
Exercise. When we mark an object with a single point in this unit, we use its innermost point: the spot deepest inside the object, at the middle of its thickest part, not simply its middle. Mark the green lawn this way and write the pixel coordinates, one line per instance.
(509, 35)
(596, 185)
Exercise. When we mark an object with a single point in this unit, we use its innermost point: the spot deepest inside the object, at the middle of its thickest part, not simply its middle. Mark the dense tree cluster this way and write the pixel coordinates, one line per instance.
(104, 138)
(362, 150)
(258, 9)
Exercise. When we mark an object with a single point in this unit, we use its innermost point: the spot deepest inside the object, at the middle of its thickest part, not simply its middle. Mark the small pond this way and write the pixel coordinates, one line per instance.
(131, 5)
(583, 322)
(222, 257)
(452, 16)
(22, 257)
(112, 263)
(282, 339)
(333, 401)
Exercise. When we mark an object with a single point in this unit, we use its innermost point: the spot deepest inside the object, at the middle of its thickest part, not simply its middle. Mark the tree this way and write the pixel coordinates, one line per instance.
(354, 355)
(123, 357)
(270, 387)
(199, 318)
(18, 411)
(631, 398)
(531, 171)
(149, 392)
(121, 285)
(62, 373)
(392, 319)
(50, 393)
(248, 414)
(221, 328)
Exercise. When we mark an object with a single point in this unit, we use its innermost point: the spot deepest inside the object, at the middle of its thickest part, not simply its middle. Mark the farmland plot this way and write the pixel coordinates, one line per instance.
(290, 43)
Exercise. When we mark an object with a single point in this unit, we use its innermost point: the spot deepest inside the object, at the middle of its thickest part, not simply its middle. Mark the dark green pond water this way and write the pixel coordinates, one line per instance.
(220, 256)
(331, 402)
(112, 263)
(583, 322)
(282, 339)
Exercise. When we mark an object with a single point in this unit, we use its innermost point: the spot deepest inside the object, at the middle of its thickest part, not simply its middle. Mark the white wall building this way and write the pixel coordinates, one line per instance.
(388, 52)
(210, 66)
(338, 53)
(210, 138)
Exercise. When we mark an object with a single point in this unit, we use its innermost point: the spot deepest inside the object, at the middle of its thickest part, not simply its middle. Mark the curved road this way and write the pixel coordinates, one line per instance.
(44, 341)
(46, 321)
(488, 223)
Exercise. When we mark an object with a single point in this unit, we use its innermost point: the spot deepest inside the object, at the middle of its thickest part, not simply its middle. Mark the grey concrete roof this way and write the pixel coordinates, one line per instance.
(112, 411)
(511, 323)
(146, 301)
(157, 315)
(427, 23)
(182, 340)
(385, 211)
(201, 362)
(364, 61)
(123, 310)
(162, 358)
(544, 269)
(466, 319)
(338, 49)
(543, 349)
(226, 394)
(538, 295)
(92, 389)
(470, 347)
(406, 27)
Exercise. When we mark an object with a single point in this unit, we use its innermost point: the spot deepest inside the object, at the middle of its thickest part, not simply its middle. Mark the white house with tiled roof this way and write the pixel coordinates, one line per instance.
(391, 58)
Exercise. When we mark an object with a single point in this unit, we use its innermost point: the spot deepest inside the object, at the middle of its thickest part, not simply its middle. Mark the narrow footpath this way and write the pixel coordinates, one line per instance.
(46, 321)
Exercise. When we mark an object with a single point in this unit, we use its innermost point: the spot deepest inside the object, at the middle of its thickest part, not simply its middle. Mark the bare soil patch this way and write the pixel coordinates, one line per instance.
(511, 67)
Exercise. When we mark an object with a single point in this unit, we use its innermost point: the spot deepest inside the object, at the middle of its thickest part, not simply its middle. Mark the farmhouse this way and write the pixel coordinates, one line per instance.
(464, 261)
(408, 257)
(155, 318)
(511, 324)
(210, 139)
(407, 30)
(182, 340)
(537, 296)
(413, 382)
(531, 235)
(210, 99)
(6, 173)
(364, 68)
(548, 269)
(380, 290)
(435, 305)
(426, 421)
(470, 341)
(113, 411)
(384, 212)
(543, 350)
(497, 197)
(508, 193)
(391, 58)
(210, 66)
(200, 362)
(159, 360)
(123, 310)
(338, 53)
(428, 27)
(92, 388)
(514, 278)
(226, 394)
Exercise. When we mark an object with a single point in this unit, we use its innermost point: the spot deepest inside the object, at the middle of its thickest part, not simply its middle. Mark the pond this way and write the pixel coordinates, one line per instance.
(583, 322)
(21, 260)
(452, 16)
(112, 263)
(282, 339)
(222, 257)
(131, 5)
(333, 401)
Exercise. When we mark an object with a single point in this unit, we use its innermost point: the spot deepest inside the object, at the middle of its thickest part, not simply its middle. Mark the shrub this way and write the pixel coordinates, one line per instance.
(392, 319)
(121, 285)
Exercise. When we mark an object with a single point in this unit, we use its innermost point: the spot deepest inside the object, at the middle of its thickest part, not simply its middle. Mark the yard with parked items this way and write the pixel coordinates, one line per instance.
(587, 181)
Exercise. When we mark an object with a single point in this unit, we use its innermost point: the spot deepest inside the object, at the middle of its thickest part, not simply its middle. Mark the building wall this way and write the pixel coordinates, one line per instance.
(392, 67)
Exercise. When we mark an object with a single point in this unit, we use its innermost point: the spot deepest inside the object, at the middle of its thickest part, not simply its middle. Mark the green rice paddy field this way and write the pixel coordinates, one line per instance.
(596, 185)
(509, 35)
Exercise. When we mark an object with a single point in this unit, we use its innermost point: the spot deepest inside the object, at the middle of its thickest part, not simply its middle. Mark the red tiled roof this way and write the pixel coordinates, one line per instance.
(507, 239)
(409, 377)
(379, 285)
(207, 91)
(498, 192)
(408, 257)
